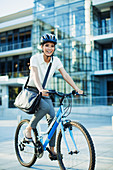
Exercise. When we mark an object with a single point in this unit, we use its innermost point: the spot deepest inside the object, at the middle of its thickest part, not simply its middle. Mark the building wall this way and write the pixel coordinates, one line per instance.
(15, 53)
(83, 46)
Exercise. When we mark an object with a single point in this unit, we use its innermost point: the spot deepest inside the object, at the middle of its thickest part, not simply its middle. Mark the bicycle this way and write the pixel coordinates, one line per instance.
(75, 148)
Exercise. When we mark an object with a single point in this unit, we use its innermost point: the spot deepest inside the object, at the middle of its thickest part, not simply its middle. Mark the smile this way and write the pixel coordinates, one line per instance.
(49, 51)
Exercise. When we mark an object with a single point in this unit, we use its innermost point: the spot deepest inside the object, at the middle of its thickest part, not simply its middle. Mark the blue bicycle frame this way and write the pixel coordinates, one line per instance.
(53, 127)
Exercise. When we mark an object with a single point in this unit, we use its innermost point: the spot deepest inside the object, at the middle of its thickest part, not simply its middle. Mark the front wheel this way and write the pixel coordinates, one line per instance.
(81, 156)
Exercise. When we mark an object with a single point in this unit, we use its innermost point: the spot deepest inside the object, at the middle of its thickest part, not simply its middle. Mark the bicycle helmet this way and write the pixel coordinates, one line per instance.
(48, 38)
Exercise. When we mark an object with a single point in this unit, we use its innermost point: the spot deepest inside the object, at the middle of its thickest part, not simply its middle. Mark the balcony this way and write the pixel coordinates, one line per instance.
(103, 68)
(106, 65)
(103, 35)
(15, 46)
(16, 74)
(103, 30)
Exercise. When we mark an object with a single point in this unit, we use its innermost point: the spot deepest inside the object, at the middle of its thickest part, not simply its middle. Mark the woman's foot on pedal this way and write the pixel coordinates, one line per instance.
(53, 156)
(27, 135)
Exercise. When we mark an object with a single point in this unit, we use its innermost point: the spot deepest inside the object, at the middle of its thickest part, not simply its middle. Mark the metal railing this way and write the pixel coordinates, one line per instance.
(89, 101)
(16, 74)
(103, 30)
(106, 65)
(82, 101)
(15, 46)
(97, 67)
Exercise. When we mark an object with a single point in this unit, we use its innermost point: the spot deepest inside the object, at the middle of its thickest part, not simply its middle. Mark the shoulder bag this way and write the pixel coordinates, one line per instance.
(29, 98)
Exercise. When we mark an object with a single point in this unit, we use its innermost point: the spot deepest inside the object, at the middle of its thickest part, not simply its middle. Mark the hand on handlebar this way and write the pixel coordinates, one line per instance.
(60, 94)
(44, 92)
(80, 91)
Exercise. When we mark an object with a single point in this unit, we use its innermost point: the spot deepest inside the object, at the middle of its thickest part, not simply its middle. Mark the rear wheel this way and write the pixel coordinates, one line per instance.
(84, 156)
(25, 151)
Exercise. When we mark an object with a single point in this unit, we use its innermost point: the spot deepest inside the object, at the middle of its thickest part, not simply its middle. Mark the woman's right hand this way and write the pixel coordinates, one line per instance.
(44, 92)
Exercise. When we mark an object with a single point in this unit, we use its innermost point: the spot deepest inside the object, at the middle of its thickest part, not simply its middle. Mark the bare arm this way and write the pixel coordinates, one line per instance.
(37, 81)
(69, 80)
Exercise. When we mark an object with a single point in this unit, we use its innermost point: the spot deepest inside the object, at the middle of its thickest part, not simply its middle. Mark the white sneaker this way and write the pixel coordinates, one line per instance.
(25, 132)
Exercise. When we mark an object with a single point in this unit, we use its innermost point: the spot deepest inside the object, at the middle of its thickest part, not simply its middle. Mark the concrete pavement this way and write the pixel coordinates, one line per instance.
(100, 128)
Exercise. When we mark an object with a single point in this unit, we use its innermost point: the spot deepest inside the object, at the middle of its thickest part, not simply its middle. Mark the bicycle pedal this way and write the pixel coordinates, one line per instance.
(75, 152)
(25, 141)
(52, 157)
(21, 147)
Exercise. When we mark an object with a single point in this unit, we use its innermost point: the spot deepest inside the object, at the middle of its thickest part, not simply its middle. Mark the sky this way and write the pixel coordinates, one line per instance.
(8, 7)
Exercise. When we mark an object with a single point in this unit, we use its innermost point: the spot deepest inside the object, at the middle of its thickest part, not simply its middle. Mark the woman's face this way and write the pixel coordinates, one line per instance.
(48, 48)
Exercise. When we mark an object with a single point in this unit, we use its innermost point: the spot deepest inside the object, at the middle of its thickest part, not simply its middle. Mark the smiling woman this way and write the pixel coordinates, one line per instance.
(39, 64)
(48, 49)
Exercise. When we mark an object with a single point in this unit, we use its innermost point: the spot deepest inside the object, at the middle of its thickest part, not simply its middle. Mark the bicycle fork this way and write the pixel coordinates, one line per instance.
(72, 138)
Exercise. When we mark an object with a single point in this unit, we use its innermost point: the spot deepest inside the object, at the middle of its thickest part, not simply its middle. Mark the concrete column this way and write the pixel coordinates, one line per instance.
(5, 96)
(88, 25)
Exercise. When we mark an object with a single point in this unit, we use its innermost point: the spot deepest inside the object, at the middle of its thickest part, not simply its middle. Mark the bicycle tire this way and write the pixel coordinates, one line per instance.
(19, 145)
(85, 154)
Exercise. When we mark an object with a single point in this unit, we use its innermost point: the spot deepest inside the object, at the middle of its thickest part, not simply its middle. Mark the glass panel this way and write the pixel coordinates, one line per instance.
(107, 55)
(21, 68)
(77, 6)
(21, 40)
(0, 100)
(13, 92)
(3, 44)
(2, 68)
(42, 4)
(59, 3)
(16, 41)
(110, 92)
(9, 68)
(10, 41)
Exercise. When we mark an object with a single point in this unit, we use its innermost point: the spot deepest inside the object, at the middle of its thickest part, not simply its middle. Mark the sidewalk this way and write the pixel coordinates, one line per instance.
(99, 127)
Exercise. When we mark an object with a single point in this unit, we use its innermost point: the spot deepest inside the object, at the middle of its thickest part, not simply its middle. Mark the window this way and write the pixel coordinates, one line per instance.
(2, 67)
(110, 92)
(10, 41)
(15, 39)
(0, 100)
(15, 66)
(13, 92)
(3, 44)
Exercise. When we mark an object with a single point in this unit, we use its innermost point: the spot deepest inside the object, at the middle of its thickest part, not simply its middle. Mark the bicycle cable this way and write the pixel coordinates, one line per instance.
(68, 107)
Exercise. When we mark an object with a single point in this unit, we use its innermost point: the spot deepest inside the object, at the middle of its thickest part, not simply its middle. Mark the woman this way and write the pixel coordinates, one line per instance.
(39, 64)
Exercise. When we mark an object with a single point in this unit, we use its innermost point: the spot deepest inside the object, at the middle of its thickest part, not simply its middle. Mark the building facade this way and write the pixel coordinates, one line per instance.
(84, 29)
(84, 32)
(15, 53)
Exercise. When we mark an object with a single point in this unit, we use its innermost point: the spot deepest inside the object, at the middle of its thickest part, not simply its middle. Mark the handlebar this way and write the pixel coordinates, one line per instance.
(74, 93)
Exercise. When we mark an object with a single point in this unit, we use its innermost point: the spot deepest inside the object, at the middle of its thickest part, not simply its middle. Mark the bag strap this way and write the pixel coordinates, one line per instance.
(46, 76)
(27, 81)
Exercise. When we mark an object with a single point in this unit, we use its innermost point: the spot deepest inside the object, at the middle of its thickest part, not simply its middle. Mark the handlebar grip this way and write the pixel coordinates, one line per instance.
(76, 93)
(84, 94)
